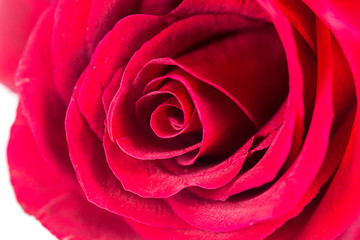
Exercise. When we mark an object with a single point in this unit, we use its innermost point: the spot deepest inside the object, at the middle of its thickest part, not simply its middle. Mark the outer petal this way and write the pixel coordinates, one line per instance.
(17, 18)
(130, 32)
(258, 231)
(68, 45)
(60, 207)
(343, 196)
(78, 28)
(353, 232)
(302, 18)
(43, 108)
(337, 147)
(111, 11)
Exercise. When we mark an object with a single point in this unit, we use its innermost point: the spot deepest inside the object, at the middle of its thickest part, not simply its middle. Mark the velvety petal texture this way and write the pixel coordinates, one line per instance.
(190, 120)
(62, 208)
(17, 18)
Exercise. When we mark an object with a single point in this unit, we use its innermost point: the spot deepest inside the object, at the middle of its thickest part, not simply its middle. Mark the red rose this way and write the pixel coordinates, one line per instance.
(190, 120)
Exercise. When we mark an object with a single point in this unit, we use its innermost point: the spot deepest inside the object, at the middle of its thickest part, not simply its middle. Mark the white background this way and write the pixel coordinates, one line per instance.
(14, 223)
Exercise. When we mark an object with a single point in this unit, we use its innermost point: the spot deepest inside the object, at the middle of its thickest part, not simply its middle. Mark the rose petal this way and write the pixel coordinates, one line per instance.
(130, 32)
(269, 164)
(352, 232)
(42, 106)
(256, 231)
(69, 33)
(244, 8)
(78, 27)
(216, 121)
(251, 68)
(177, 34)
(337, 147)
(346, 199)
(261, 230)
(44, 194)
(183, 118)
(151, 179)
(290, 188)
(103, 16)
(302, 18)
(100, 185)
(158, 7)
(112, 11)
(17, 18)
(161, 233)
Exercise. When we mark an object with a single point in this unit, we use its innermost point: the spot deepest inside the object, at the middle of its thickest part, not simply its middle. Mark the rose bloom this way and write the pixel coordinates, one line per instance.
(149, 119)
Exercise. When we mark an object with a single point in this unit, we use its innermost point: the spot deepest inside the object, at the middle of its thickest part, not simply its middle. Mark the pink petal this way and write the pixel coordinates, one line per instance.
(268, 166)
(286, 193)
(130, 32)
(104, 15)
(60, 207)
(151, 179)
(68, 45)
(99, 184)
(342, 20)
(249, 9)
(42, 106)
(17, 18)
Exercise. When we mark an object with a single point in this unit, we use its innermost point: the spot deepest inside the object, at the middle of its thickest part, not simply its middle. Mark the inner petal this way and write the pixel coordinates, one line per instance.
(225, 127)
(167, 120)
(226, 100)
(176, 118)
(249, 66)
(166, 109)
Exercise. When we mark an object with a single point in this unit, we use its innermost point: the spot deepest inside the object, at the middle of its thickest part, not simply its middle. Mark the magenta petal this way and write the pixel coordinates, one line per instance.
(268, 166)
(42, 106)
(134, 154)
(346, 199)
(97, 88)
(151, 179)
(166, 119)
(169, 110)
(256, 231)
(287, 191)
(301, 221)
(158, 7)
(216, 123)
(112, 88)
(44, 194)
(17, 18)
(224, 129)
(103, 16)
(193, 26)
(251, 68)
(68, 45)
(101, 186)
(201, 28)
(249, 9)
(89, 101)
(352, 232)
(301, 18)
